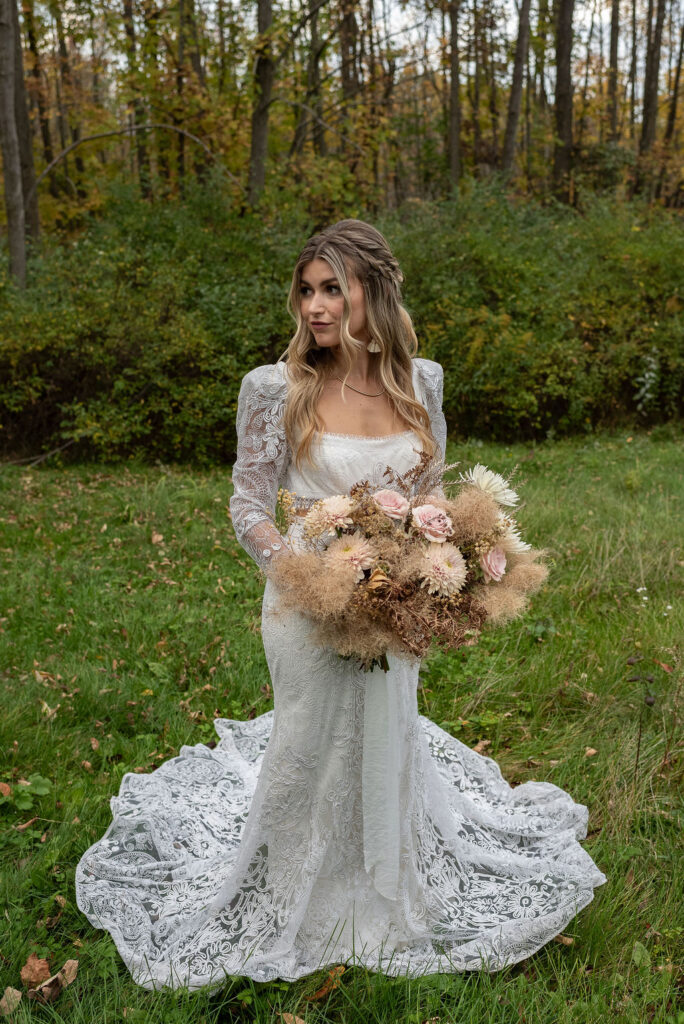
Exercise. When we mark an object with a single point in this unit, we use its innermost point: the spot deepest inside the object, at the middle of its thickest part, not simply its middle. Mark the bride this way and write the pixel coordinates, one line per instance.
(342, 826)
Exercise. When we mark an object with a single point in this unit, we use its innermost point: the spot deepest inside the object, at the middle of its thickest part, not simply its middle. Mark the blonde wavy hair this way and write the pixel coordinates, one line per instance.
(352, 248)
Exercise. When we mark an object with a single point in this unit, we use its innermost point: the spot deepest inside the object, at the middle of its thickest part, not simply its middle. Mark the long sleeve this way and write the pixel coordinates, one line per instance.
(262, 456)
(432, 385)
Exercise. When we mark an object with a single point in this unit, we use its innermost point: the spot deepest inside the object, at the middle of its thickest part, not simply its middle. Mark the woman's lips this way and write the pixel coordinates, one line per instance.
(319, 326)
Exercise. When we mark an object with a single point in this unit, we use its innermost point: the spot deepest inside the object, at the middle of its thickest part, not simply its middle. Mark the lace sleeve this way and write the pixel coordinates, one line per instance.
(431, 376)
(262, 456)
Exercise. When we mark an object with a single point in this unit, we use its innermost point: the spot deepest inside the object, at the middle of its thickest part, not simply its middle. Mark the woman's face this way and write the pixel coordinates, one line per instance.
(322, 304)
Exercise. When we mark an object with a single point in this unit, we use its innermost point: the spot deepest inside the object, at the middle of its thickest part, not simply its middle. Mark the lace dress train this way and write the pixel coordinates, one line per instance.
(340, 827)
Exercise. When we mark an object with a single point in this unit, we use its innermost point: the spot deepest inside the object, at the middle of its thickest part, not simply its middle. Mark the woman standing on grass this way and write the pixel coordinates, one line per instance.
(342, 826)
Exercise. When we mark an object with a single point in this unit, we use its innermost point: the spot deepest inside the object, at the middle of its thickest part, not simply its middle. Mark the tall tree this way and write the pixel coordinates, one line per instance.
(263, 86)
(652, 76)
(454, 97)
(38, 90)
(24, 138)
(11, 160)
(613, 71)
(562, 153)
(515, 95)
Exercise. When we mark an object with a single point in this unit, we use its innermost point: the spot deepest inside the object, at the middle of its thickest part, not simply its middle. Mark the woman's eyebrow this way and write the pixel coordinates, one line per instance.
(328, 280)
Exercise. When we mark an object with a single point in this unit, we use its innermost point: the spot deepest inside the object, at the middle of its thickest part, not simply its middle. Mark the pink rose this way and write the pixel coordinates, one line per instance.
(432, 522)
(493, 565)
(391, 503)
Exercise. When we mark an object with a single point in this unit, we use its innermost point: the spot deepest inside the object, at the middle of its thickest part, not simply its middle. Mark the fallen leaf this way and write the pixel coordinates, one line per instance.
(289, 1018)
(481, 746)
(331, 983)
(20, 828)
(87, 765)
(566, 940)
(10, 1000)
(5, 790)
(589, 752)
(94, 743)
(34, 970)
(60, 899)
(662, 664)
(48, 711)
(629, 877)
(157, 538)
(50, 989)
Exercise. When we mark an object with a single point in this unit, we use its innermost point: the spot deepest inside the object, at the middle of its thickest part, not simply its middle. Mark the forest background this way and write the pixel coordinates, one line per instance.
(163, 163)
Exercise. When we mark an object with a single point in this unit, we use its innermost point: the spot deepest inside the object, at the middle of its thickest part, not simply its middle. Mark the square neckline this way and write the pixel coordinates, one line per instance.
(364, 437)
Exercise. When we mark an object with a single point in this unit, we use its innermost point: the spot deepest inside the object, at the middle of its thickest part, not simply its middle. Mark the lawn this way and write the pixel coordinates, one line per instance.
(130, 618)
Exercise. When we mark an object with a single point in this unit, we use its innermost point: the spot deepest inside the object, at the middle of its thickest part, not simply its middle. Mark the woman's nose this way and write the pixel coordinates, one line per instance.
(316, 302)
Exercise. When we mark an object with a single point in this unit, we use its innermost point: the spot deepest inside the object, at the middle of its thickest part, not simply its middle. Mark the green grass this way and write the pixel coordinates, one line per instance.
(129, 619)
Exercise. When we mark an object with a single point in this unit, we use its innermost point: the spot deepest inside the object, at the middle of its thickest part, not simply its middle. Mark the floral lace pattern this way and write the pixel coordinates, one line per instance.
(248, 859)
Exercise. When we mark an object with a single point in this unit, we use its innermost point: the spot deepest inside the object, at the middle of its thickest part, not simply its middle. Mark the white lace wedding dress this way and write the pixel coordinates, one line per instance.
(342, 826)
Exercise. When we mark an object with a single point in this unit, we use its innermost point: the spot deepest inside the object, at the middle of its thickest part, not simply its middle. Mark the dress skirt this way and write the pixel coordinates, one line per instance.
(341, 827)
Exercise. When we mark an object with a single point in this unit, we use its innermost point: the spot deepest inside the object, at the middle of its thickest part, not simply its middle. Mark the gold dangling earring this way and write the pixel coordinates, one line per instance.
(373, 346)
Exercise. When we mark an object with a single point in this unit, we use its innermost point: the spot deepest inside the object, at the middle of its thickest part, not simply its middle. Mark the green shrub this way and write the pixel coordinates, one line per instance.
(132, 339)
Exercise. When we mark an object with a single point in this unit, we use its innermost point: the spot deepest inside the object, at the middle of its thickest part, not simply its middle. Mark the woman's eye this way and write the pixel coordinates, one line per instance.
(304, 290)
(334, 289)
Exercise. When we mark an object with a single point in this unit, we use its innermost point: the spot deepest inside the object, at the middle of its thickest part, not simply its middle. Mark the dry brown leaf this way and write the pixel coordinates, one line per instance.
(157, 538)
(566, 940)
(87, 765)
(662, 664)
(481, 746)
(48, 711)
(34, 970)
(9, 1001)
(5, 790)
(20, 828)
(629, 877)
(50, 989)
(94, 743)
(331, 983)
(61, 900)
(289, 1018)
(589, 752)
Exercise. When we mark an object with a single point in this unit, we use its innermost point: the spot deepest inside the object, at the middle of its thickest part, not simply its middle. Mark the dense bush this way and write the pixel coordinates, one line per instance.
(132, 338)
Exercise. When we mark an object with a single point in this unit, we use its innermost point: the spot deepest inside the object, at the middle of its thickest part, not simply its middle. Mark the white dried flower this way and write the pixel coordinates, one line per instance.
(510, 540)
(491, 483)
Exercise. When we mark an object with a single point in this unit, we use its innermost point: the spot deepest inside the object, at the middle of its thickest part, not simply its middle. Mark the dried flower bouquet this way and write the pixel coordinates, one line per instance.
(397, 569)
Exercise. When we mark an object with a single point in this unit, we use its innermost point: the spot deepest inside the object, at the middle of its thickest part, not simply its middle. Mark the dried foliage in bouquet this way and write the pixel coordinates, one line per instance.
(397, 569)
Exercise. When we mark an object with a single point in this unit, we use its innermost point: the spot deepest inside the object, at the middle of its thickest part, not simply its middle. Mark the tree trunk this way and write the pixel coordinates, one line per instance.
(671, 115)
(11, 161)
(672, 112)
(650, 113)
(68, 93)
(632, 75)
(263, 81)
(454, 98)
(136, 107)
(585, 87)
(515, 97)
(562, 154)
(539, 47)
(24, 138)
(180, 85)
(613, 71)
(39, 92)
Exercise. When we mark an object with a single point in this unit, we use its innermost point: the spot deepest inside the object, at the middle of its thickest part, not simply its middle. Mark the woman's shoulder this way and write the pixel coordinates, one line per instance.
(428, 368)
(430, 378)
(269, 380)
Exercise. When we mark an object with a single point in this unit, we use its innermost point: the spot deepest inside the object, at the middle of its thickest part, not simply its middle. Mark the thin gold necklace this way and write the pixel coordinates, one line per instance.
(357, 390)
